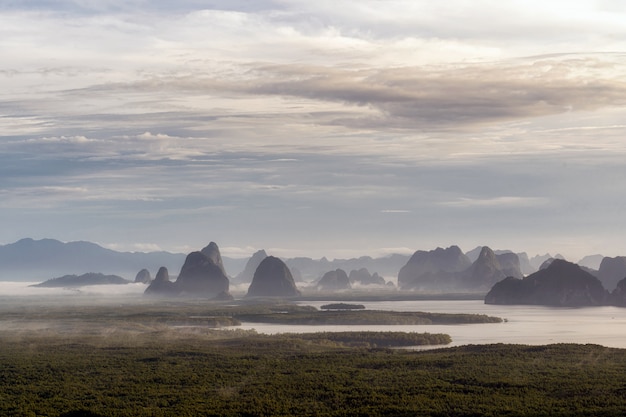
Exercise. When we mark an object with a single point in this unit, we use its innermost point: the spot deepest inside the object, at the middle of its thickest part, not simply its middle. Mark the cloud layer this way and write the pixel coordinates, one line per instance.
(305, 128)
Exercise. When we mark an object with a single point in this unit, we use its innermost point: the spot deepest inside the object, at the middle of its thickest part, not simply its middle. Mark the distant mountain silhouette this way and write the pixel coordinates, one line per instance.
(143, 276)
(560, 283)
(35, 260)
(591, 261)
(311, 269)
(90, 278)
(363, 277)
(449, 270)
(161, 285)
(524, 265)
(253, 263)
(611, 271)
(334, 281)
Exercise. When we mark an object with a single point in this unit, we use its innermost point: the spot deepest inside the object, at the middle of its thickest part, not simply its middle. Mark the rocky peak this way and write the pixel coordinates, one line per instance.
(143, 276)
(212, 251)
(363, 277)
(612, 270)
(161, 285)
(432, 269)
(162, 275)
(334, 280)
(272, 278)
(484, 272)
(253, 263)
(561, 283)
(201, 275)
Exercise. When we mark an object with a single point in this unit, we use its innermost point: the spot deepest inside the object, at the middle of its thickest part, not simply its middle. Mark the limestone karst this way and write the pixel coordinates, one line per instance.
(272, 278)
(253, 263)
(143, 276)
(561, 283)
(363, 277)
(161, 284)
(202, 275)
(612, 270)
(334, 281)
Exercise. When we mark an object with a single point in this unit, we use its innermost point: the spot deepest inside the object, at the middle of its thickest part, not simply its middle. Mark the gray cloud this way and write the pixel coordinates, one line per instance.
(313, 128)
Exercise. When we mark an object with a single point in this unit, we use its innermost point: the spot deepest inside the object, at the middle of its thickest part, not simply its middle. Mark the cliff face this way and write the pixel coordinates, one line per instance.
(561, 283)
(334, 281)
(253, 263)
(433, 270)
(484, 272)
(202, 276)
(363, 277)
(449, 270)
(272, 278)
(143, 276)
(612, 270)
(161, 285)
(212, 252)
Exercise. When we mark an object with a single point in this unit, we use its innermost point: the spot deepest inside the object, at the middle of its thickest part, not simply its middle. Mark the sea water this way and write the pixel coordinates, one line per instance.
(532, 325)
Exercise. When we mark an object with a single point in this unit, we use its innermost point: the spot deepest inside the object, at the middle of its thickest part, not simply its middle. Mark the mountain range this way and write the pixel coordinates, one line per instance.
(40, 260)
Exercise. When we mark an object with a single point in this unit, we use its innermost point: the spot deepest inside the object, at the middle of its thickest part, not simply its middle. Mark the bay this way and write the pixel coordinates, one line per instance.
(531, 325)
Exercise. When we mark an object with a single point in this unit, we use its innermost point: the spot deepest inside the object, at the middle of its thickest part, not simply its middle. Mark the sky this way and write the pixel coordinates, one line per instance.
(315, 128)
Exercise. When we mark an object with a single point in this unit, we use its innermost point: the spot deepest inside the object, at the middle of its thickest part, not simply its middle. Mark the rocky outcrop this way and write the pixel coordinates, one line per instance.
(618, 296)
(363, 277)
(212, 251)
(253, 263)
(510, 264)
(143, 276)
(612, 270)
(202, 275)
(435, 270)
(272, 278)
(561, 283)
(161, 285)
(336, 280)
(484, 272)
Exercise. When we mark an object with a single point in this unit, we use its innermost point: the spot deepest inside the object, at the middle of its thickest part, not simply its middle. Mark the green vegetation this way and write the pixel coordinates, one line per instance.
(163, 360)
(342, 306)
(365, 317)
(194, 375)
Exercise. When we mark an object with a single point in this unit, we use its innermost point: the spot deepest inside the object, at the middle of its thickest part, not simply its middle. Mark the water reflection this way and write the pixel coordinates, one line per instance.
(533, 325)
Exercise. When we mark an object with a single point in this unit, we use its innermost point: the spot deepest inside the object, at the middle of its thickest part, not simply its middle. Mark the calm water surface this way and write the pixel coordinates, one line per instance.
(533, 325)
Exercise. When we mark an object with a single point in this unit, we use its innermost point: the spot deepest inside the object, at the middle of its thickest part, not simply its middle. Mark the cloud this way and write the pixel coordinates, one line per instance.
(504, 201)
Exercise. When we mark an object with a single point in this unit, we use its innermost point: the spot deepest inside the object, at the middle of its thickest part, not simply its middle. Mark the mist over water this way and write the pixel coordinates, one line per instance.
(533, 325)
(26, 290)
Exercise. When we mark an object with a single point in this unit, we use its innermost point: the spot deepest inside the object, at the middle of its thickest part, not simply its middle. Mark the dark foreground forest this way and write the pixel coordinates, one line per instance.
(118, 365)
(286, 376)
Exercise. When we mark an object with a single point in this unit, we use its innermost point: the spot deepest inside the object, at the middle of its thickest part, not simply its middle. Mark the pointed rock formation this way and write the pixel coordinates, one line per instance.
(434, 270)
(212, 251)
(484, 272)
(561, 284)
(362, 277)
(272, 278)
(202, 276)
(253, 263)
(143, 276)
(161, 285)
(334, 281)
(510, 264)
(612, 270)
